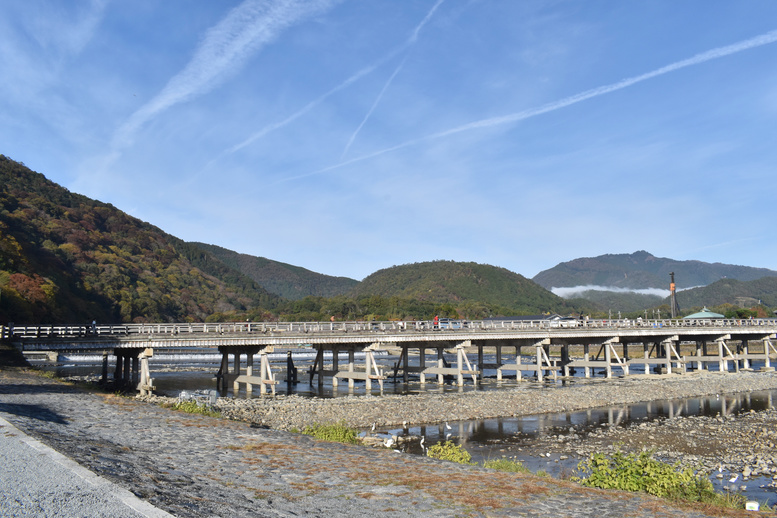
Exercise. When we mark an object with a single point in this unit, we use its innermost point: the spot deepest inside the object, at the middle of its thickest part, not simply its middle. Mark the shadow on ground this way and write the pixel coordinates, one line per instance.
(33, 412)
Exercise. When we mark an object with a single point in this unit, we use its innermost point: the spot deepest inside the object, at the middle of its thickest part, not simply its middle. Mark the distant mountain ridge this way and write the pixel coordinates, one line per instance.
(642, 270)
(288, 281)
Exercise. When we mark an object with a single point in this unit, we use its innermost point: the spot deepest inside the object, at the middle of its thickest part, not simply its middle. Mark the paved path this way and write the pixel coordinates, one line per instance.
(39, 481)
(195, 466)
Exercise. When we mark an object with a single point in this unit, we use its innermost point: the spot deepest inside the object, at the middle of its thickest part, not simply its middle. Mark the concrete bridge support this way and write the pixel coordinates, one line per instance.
(131, 368)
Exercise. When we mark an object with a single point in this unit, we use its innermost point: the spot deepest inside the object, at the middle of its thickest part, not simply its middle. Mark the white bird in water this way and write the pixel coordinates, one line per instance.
(734, 479)
(423, 448)
(447, 425)
(373, 426)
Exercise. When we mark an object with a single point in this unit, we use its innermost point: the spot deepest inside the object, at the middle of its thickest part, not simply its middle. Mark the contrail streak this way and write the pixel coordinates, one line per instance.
(758, 41)
(358, 75)
(411, 41)
(312, 104)
(372, 109)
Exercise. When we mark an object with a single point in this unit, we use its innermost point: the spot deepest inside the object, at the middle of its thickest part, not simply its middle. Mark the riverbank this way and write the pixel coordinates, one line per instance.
(195, 466)
(744, 444)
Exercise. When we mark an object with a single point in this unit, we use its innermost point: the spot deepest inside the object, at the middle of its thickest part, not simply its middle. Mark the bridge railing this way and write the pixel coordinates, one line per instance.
(96, 331)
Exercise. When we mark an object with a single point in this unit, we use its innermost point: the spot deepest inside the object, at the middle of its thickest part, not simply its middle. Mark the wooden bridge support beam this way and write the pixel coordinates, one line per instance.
(370, 373)
(225, 378)
(104, 377)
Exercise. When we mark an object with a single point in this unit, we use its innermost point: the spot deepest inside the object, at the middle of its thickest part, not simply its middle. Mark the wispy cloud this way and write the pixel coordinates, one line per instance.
(719, 52)
(352, 79)
(223, 51)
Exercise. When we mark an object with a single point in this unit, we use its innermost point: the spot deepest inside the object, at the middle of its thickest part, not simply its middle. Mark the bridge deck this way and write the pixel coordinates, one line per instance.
(133, 344)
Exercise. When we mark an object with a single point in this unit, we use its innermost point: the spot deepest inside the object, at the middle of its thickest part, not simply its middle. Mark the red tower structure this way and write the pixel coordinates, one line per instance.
(675, 308)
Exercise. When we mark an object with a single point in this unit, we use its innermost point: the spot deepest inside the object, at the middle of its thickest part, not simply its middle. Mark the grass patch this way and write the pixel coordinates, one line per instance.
(337, 432)
(641, 472)
(510, 466)
(193, 407)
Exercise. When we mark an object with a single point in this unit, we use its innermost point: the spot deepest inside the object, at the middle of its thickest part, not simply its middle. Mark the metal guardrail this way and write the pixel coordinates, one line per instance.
(10, 332)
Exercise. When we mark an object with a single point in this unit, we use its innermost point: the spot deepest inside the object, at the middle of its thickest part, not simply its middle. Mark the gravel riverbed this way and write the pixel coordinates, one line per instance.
(248, 465)
(744, 444)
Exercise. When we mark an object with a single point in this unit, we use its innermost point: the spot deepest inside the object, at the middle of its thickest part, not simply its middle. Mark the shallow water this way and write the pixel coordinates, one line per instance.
(517, 438)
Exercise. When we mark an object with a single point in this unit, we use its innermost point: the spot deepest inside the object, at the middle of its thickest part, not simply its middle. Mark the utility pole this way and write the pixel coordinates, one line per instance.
(672, 297)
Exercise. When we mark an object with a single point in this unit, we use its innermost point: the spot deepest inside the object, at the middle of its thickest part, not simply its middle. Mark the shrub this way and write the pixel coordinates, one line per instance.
(642, 472)
(337, 432)
(448, 450)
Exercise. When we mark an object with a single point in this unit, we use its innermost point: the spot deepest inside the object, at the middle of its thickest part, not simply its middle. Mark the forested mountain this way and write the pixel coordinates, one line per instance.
(761, 291)
(67, 258)
(286, 280)
(462, 283)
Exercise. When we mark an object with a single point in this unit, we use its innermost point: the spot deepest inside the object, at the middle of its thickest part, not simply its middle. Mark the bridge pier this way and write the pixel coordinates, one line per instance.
(372, 372)
(266, 377)
(440, 367)
(131, 368)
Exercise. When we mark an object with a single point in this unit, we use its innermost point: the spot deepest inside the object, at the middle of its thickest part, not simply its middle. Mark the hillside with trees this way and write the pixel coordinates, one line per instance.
(642, 270)
(463, 284)
(733, 292)
(288, 281)
(67, 258)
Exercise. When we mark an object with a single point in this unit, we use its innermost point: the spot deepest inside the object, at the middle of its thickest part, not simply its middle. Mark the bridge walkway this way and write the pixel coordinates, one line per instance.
(558, 349)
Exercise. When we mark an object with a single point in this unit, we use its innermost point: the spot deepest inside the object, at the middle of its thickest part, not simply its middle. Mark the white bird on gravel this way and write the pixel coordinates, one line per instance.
(388, 443)
(374, 425)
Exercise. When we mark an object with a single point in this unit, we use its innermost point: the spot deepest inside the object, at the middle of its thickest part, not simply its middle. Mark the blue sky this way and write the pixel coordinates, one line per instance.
(349, 136)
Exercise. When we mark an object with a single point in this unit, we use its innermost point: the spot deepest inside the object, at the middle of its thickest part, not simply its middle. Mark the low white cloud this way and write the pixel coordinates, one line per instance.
(568, 292)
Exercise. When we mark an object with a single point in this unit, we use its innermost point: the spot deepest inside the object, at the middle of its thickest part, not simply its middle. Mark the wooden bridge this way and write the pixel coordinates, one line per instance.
(557, 348)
